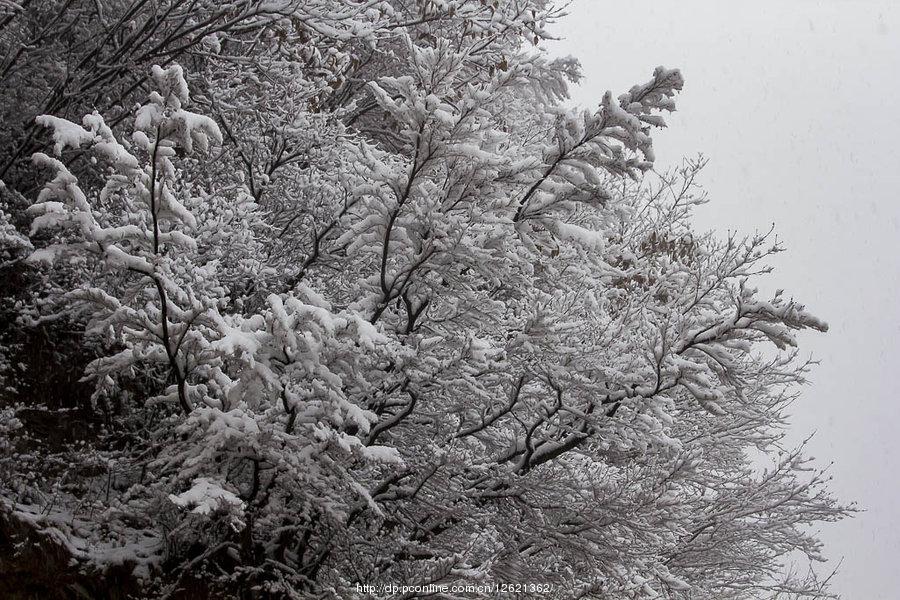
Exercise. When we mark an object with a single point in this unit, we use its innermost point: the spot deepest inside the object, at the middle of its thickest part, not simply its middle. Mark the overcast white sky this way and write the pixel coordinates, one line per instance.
(795, 104)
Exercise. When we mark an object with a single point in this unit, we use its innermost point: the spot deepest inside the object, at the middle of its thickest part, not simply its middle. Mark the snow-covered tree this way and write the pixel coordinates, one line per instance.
(370, 304)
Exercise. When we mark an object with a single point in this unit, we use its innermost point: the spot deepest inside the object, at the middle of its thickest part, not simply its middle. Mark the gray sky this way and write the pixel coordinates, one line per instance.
(794, 105)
